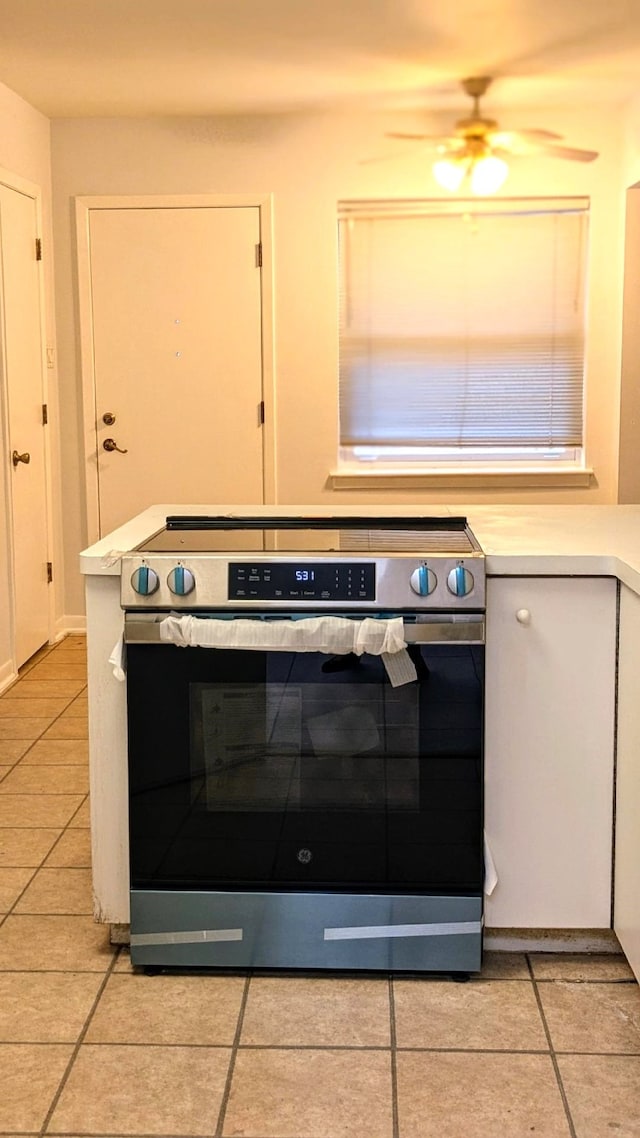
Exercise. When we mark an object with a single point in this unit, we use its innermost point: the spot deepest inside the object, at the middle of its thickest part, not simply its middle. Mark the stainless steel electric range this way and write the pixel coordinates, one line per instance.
(305, 737)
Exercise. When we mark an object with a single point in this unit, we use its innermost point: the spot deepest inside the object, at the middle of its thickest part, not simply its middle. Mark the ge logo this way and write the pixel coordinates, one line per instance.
(304, 856)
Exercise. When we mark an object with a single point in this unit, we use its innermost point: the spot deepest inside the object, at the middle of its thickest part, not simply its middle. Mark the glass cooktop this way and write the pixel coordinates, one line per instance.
(193, 534)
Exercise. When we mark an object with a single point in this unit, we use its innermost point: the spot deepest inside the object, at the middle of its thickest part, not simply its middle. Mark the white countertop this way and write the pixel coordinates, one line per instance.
(517, 540)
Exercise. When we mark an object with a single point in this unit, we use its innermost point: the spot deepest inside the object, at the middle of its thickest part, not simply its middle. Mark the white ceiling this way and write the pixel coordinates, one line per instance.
(204, 57)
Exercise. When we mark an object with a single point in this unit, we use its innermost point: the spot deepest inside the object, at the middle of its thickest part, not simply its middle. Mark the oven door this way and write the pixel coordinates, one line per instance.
(285, 772)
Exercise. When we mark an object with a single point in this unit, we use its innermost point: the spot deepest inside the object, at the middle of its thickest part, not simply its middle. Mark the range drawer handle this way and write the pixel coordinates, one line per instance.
(523, 616)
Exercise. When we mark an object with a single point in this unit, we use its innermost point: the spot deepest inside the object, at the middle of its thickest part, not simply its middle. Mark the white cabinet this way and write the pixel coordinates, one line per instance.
(550, 709)
(627, 860)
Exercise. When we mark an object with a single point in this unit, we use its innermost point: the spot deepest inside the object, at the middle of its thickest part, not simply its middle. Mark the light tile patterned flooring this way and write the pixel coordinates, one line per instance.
(540, 1046)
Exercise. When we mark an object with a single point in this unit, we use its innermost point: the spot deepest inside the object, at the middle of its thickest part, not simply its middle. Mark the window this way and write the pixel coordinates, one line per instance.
(462, 332)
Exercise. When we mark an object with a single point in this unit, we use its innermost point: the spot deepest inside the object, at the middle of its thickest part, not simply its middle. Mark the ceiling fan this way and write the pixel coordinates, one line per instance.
(477, 147)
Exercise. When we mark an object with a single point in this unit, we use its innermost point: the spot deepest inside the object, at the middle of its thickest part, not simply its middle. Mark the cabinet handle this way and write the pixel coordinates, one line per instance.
(523, 616)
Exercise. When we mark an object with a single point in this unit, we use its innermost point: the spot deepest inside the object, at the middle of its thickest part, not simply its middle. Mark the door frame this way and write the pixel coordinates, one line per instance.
(83, 208)
(33, 191)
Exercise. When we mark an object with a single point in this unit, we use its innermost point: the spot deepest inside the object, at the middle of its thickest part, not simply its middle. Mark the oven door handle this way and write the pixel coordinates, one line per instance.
(467, 628)
(443, 631)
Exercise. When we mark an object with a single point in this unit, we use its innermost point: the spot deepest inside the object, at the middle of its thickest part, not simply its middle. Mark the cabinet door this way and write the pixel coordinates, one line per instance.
(550, 702)
(627, 875)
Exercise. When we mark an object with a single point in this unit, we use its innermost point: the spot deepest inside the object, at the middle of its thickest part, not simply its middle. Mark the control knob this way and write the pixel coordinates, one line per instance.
(460, 581)
(144, 581)
(423, 581)
(181, 581)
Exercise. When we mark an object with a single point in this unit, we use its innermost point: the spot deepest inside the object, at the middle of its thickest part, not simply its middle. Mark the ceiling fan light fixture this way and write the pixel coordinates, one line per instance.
(488, 174)
(450, 173)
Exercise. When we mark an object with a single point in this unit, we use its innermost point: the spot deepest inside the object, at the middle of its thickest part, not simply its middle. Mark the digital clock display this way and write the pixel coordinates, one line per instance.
(284, 581)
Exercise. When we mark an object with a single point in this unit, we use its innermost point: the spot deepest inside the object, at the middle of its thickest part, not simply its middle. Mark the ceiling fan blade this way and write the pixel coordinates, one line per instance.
(441, 143)
(572, 153)
(520, 141)
(417, 137)
(535, 135)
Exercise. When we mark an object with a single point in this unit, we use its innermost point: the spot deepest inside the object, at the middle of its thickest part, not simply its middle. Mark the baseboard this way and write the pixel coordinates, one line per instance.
(8, 675)
(552, 940)
(68, 625)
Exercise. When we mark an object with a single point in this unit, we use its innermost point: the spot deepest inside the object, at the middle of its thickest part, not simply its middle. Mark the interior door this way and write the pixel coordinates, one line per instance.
(22, 353)
(177, 356)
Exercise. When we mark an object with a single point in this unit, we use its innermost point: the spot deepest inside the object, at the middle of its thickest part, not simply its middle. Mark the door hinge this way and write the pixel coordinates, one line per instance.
(261, 412)
(45, 415)
(38, 248)
(259, 255)
(49, 572)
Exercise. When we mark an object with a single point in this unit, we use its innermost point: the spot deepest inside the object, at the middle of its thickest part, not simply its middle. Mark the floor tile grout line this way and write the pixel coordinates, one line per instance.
(41, 866)
(47, 728)
(518, 1051)
(7, 693)
(46, 856)
(150, 1045)
(226, 1094)
(59, 716)
(10, 911)
(48, 793)
(400, 1050)
(601, 1054)
(40, 737)
(76, 1048)
(552, 1053)
(100, 1134)
(63, 831)
(393, 1039)
(43, 826)
(129, 1134)
(585, 983)
(24, 698)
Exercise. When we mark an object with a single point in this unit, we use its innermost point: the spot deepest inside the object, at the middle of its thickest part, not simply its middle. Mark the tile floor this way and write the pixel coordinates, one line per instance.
(540, 1045)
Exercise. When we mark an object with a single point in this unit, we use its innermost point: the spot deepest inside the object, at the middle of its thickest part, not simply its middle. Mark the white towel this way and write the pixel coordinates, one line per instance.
(334, 635)
(490, 871)
(118, 659)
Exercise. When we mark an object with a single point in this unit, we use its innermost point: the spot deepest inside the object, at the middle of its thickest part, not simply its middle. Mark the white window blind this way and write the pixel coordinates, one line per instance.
(462, 328)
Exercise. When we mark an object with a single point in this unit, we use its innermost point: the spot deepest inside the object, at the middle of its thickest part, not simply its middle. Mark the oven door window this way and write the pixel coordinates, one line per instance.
(302, 771)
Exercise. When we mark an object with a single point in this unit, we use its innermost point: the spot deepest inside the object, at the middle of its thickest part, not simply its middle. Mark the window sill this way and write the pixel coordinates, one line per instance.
(461, 479)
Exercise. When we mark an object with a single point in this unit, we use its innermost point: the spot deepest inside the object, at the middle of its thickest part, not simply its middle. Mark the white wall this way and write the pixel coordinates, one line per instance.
(631, 152)
(25, 151)
(308, 163)
(629, 450)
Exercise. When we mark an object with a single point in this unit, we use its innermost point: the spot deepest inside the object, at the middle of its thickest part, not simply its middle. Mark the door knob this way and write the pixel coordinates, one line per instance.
(16, 458)
(111, 444)
(108, 418)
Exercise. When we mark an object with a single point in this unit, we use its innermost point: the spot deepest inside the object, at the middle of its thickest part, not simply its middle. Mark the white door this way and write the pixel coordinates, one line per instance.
(177, 357)
(22, 355)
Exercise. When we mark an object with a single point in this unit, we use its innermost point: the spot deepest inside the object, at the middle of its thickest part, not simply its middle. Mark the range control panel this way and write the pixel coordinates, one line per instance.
(283, 581)
(205, 581)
